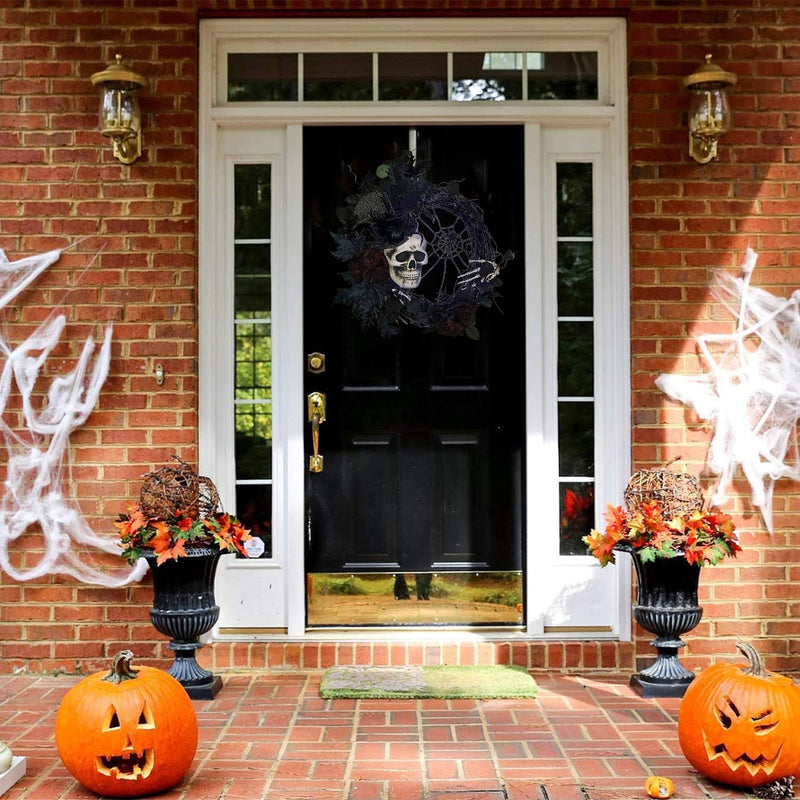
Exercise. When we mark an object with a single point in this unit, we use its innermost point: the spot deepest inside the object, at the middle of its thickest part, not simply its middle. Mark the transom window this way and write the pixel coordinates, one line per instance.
(451, 76)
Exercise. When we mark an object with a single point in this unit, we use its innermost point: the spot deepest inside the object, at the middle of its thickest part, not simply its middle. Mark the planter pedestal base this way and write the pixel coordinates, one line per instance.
(666, 676)
(200, 684)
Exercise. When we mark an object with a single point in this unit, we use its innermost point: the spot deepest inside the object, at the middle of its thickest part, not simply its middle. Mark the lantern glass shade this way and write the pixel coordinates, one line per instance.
(709, 113)
(119, 111)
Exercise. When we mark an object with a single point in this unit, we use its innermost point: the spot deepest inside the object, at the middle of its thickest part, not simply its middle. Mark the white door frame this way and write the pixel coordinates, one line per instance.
(546, 124)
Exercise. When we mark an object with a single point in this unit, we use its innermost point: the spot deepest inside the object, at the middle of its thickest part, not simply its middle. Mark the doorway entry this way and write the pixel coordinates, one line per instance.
(423, 437)
(443, 457)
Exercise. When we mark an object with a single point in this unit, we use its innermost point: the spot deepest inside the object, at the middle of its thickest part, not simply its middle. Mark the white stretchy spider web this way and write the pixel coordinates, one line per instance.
(33, 497)
(752, 390)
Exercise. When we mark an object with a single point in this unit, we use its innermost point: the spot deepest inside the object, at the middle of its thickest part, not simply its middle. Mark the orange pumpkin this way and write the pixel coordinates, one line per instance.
(739, 726)
(656, 786)
(127, 733)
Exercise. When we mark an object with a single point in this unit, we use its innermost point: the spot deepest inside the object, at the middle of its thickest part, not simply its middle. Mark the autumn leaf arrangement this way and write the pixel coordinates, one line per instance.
(177, 509)
(170, 535)
(703, 537)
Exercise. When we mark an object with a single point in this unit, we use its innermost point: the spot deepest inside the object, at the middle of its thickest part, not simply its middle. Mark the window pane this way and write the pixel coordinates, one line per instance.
(487, 76)
(262, 76)
(254, 509)
(574, 199)
(577, 517)
(412, 76)
(575, 359)
(253, 361)
(576, 439)
(252, 198)
(252, 296)
(562, 76)
(254, 442)
(575, 273)
(337, 76)
(251, 259)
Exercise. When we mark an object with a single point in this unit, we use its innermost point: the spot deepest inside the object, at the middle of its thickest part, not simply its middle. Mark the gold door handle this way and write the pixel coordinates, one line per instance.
(316, 416)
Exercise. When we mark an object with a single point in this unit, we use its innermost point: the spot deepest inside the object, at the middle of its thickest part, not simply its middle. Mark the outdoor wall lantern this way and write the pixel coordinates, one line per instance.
(120, 118)
(709, 112)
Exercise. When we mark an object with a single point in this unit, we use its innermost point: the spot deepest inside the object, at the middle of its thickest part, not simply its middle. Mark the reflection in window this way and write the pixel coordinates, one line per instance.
(577, 517)
(252, 399)
(412, 76)
(486, 76)
(576, 407)
(563, 76)
(415, 599)
(262, 76)
(343, 77)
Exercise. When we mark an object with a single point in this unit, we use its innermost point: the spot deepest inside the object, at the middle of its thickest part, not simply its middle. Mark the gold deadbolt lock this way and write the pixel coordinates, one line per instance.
(316, 363)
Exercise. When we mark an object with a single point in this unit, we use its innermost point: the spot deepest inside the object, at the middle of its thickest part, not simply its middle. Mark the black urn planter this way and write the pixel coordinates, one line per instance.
(666, 605)
(184, 609)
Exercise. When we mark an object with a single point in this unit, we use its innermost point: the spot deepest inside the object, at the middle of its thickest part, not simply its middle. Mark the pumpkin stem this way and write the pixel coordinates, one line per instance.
(121, 669)
(756, 665)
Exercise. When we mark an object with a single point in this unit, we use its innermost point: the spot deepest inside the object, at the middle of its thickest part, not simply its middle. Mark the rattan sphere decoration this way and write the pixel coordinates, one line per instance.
(170, 490)
(676, 492)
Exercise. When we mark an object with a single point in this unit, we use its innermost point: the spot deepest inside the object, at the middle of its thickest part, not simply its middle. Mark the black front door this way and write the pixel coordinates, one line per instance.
(424, 435)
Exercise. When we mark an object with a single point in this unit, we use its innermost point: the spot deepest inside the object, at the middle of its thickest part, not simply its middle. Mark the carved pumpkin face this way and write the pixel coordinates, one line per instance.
(127, 733)
(739, 726)
(127, 738)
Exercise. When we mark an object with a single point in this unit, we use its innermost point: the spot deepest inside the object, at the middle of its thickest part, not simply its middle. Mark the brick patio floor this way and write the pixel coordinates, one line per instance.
(271, 735)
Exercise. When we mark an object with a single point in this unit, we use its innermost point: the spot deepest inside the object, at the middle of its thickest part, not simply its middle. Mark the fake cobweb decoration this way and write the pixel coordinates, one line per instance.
(34, 499)
(751, 392)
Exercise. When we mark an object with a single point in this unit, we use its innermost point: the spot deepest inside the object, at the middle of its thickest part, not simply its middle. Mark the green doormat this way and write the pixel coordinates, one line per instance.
(480, 682)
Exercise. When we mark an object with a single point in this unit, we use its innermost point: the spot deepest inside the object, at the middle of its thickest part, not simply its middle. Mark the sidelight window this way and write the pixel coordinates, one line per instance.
(252, 259)
(576, 407)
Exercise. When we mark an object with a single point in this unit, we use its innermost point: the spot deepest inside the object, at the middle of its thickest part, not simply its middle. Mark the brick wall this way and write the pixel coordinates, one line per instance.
(59, 185)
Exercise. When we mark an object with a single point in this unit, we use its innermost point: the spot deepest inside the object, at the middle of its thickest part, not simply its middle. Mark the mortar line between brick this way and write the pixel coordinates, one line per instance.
(557, 741)
(423, 761)
(221, 731)
(351, 756)
(286, 736)
(487, 736)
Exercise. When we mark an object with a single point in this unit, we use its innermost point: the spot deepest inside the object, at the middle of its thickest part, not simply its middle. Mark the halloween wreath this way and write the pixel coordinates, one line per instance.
(401, 232)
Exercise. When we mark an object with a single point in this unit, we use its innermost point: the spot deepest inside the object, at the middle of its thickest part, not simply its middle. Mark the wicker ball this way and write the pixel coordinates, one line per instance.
(170, 490)
(676, 492)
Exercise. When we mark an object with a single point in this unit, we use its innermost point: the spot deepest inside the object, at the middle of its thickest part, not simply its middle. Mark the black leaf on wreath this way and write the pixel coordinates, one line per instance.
(400, 232)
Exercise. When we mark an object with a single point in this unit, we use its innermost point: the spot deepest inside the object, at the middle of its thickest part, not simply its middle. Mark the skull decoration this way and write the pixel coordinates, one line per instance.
(407, 260)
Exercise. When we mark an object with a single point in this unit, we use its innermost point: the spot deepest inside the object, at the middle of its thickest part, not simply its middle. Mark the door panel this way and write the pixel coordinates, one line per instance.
(423, 439)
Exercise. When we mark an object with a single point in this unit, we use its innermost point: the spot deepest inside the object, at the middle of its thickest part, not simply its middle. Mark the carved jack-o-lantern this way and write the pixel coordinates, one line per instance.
(127, 733)
(407, 260)
(739, 726)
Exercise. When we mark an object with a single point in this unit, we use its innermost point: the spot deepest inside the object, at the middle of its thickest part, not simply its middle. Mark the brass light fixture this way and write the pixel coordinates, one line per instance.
(120, 118)
(709, 112)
